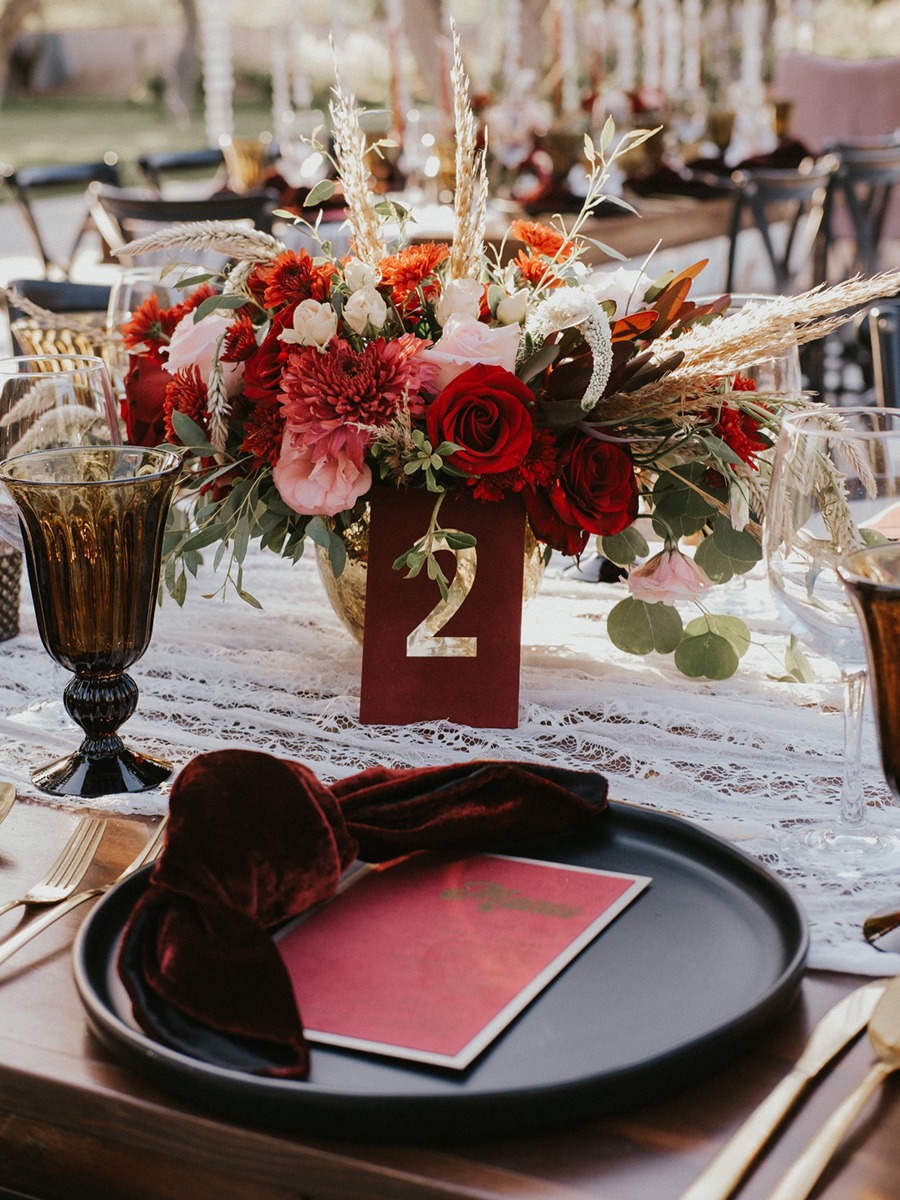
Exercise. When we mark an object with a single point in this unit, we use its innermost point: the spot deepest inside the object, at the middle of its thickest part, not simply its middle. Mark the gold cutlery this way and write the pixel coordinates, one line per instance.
(7, 799)
(840, 1025)
(9, 946)
(882, 930)
(68, 870)
(884, 1034)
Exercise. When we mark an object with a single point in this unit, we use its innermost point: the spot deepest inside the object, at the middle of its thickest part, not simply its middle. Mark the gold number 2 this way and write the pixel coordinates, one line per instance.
(423, 641)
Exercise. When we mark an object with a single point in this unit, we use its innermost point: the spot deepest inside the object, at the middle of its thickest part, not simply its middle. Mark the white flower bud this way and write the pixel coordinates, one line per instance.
(315, 324)
(460, 296)
(358, 274)
(512, 309)
(365, 307)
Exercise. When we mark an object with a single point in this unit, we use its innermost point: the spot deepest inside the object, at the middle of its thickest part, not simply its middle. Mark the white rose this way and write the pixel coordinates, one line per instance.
(460, 296)
(314, 324)
(626, 289)
(512, 309)
(196, 344)
(358, 274)
(365, 307)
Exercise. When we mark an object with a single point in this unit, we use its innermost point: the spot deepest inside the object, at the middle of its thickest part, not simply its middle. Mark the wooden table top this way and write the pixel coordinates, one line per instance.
(74, 1122)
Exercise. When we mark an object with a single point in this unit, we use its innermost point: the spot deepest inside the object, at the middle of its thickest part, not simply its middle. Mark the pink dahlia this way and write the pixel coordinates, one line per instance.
(326, 392)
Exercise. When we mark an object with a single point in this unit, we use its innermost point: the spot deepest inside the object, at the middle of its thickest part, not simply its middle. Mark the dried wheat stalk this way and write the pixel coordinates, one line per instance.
(350, 155)
(471, 189)
(229, 238)
(739, 339)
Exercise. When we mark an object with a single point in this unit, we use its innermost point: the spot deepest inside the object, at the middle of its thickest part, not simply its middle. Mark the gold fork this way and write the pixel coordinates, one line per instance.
(7, 799)
(22, 937)
(69, 869)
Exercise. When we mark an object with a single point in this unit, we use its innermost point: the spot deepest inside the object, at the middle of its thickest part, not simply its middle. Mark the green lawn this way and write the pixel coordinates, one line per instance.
(57, 130)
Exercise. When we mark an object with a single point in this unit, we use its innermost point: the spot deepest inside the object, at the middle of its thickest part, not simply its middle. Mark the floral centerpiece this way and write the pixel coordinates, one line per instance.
(294, 384)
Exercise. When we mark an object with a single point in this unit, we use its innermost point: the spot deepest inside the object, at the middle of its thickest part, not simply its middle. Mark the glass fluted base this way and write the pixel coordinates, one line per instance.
(841, 850)
(88, 774)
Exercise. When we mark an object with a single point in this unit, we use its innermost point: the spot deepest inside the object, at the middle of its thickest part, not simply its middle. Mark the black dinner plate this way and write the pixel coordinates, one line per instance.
(681, 982)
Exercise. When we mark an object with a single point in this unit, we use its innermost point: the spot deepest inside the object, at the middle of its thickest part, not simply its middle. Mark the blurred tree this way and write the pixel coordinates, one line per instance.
(182, 86)
(13, 15)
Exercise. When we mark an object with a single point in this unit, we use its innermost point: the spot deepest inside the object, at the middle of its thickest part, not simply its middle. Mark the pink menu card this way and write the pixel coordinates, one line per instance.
(429, 959)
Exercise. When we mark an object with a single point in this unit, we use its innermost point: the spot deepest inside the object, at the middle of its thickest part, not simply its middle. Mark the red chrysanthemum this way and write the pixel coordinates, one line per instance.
(404, 272)
(741, 383)
(185, 394)
(321, 393)
(740, 432)
(240, 340)
(263, 435)
(537, 470)
(542, 239)
(194, 300)
(293, 277)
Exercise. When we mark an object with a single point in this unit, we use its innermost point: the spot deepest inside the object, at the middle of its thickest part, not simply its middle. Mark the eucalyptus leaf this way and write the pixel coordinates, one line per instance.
(710, 559)
(739, 545)
(638, 627)
(204, 537)
(337, 554)
(624, 548)
(190, 433)
(319, 532)
(733, 629)
(797, 664)
(212, 303)
(322, 191)
(708, 656)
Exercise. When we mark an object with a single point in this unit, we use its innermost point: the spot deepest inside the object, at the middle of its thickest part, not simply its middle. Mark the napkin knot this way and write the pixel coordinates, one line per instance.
(254, 841)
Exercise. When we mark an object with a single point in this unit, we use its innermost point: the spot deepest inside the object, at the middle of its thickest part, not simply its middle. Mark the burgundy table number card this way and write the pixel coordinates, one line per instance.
(429, 659)
(429, 959)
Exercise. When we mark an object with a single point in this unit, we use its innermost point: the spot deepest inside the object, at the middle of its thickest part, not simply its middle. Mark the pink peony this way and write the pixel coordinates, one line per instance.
(319, 486)
(466, 342)
(195, 343)
(667, 577)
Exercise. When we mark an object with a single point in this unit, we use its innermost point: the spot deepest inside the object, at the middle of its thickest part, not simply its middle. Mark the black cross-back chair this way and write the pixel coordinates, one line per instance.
(121, 214)
(867, 175)
(155, 168)
(766, 196)
(884, 330)
(27, 184)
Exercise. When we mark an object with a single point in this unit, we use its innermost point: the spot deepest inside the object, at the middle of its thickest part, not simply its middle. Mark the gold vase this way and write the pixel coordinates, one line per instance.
(347, 592)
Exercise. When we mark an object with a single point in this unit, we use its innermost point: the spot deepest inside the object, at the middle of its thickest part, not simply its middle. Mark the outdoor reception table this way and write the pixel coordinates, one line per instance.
(737, 757)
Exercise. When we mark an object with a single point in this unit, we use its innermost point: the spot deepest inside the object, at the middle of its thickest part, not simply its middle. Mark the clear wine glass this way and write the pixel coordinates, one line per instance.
(48, 402)
(130, 289)
(835, 486)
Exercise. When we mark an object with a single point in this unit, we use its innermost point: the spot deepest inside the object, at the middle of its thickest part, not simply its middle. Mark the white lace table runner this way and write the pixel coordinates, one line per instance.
(741, 757)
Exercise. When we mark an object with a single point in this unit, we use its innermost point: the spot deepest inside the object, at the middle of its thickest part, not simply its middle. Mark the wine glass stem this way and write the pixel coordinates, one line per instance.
(853, 809)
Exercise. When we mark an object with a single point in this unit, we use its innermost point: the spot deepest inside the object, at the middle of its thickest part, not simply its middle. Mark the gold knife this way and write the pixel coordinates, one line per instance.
(835, 1030)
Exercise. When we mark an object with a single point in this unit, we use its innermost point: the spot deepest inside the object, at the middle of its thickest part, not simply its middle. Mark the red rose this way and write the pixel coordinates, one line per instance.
(142, 406)
(596, 489)
(486, 411)
(548, 526)
(262, 370)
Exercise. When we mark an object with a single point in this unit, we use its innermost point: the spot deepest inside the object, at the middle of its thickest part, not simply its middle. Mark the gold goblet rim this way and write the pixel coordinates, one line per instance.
(169, 461)
(853, 567)
(85, 362)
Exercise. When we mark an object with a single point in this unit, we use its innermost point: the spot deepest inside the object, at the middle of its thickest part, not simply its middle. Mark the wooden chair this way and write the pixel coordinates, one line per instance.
(884, 330)
(24, 182)
(765, 197)
(867, 175)
(122, 214)
(79, 310)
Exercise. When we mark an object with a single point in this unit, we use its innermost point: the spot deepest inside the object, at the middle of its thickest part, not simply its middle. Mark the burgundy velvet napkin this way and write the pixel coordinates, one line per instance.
(254, 841)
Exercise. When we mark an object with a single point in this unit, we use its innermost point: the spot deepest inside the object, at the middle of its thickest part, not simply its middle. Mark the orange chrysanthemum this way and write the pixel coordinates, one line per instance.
(542, 239)
(294, 277)
(185, 394)
(404, 272)
(534, 270)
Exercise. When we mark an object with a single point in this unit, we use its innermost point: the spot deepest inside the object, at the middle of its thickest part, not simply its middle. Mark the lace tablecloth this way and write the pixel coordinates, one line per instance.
(740, 757)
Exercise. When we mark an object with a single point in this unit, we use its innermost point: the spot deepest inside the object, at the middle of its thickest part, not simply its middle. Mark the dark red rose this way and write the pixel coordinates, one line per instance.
(142, 406)
(548, 526)
(596, 489)
(262, 371)
(486, 411)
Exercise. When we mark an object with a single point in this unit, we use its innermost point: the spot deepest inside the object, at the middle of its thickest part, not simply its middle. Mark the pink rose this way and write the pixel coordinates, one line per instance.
(196, 344)
(667, 577)
(467, 341)
(319, 486)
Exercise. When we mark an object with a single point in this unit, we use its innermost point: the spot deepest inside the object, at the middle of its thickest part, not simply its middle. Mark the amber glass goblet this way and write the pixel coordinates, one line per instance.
(872, 579)
(93, 520)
